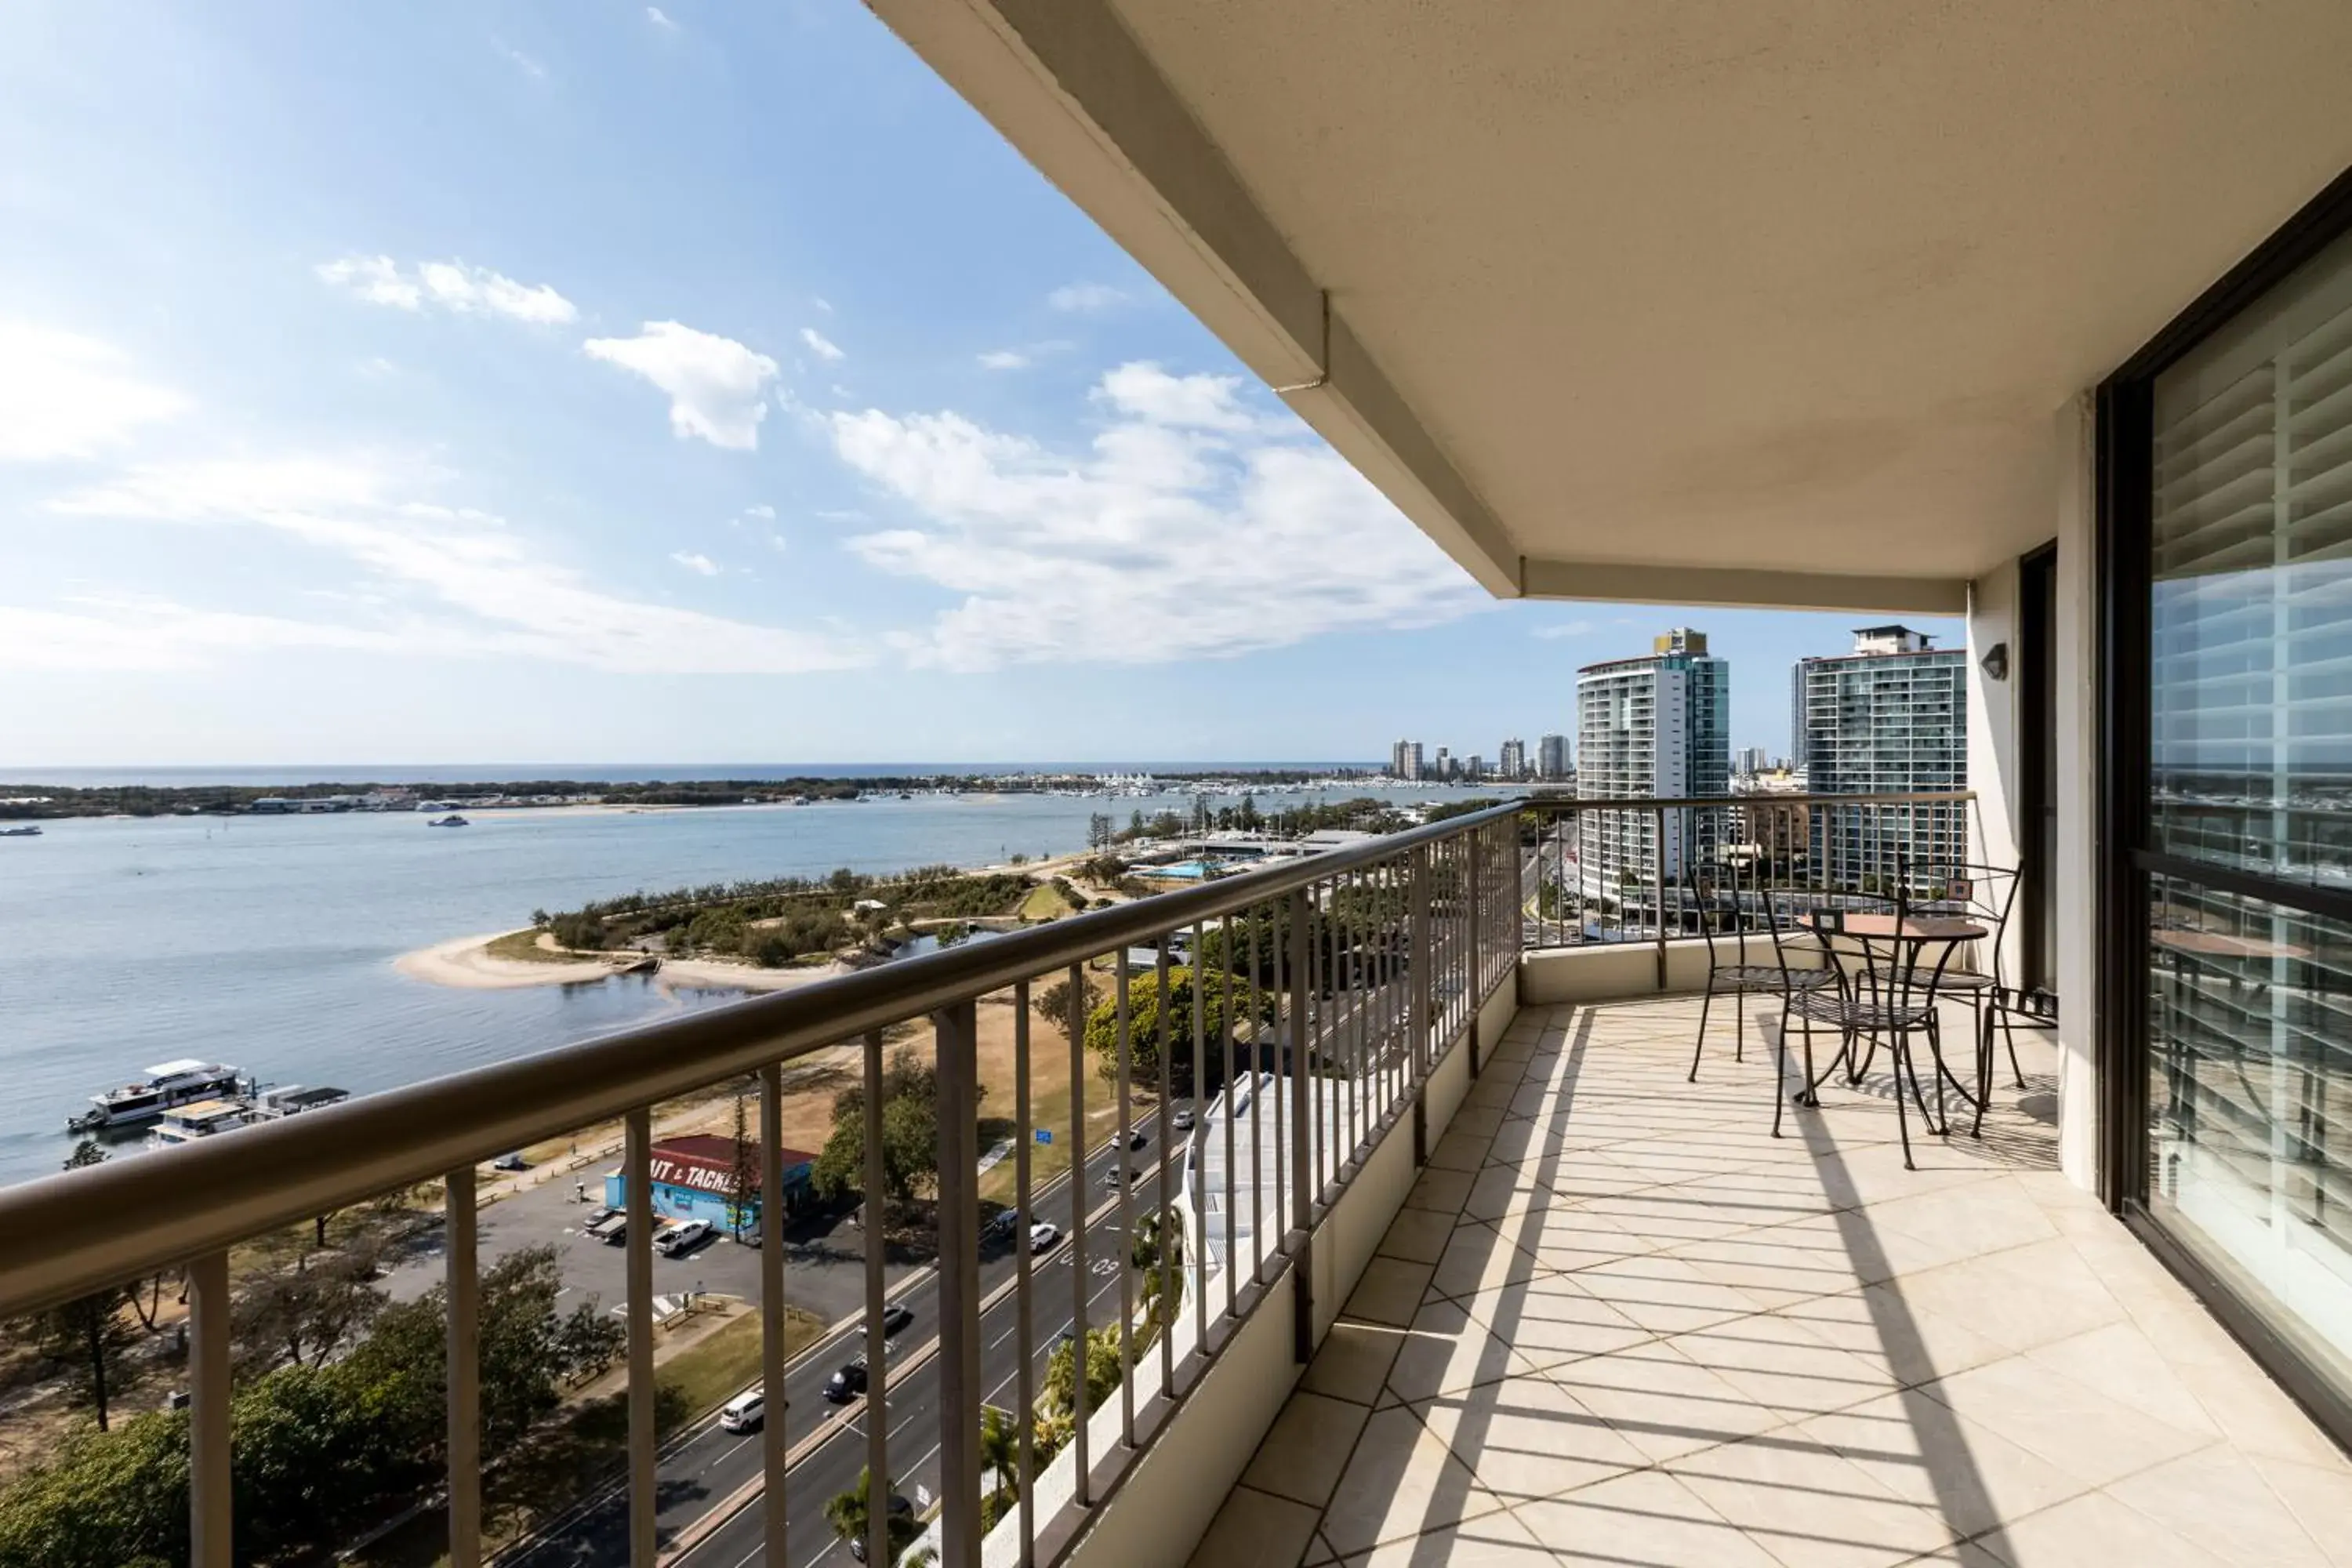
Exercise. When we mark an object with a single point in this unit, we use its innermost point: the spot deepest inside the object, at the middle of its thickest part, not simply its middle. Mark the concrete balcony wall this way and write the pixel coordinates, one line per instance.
(1163, 1504)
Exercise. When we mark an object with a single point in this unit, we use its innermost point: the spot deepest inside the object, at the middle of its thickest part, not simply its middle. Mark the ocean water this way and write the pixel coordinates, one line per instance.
(269, 942)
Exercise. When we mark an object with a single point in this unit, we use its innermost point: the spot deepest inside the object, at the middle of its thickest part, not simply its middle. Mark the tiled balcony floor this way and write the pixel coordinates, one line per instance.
(1619, 1324)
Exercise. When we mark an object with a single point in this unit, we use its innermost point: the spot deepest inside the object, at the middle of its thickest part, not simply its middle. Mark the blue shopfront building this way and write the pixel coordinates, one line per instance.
(692, 1176)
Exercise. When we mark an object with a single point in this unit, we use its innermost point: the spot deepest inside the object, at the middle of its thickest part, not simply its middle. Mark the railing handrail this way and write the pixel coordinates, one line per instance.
(64, 1235)
(1565, 803)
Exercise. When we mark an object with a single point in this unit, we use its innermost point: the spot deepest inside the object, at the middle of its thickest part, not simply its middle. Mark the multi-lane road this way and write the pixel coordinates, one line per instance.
(707, 1469)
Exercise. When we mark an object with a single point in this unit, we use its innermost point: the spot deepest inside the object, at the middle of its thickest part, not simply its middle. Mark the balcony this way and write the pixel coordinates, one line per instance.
(1437, 1276)
(1617, 1321)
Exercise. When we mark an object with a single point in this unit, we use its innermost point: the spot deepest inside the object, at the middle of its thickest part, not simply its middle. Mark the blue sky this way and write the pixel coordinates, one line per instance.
(484, 382)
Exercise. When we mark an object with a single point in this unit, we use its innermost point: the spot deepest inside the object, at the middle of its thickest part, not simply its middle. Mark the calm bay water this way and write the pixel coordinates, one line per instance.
(269, 942)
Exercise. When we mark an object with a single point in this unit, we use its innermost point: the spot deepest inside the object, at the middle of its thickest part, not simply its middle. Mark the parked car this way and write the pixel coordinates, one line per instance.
(684, 1239)
(614, 1234)
(847, 1382)
(897, 1316)
(1044, 1235)
(598, 1215)
(746, 1412)
(899, 1509)
(1182, 1121)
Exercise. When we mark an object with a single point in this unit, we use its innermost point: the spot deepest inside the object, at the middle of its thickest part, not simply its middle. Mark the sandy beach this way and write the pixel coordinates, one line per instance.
(468, 965)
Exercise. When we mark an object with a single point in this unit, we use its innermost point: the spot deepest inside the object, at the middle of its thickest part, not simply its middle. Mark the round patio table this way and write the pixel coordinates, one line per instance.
(1896, 999)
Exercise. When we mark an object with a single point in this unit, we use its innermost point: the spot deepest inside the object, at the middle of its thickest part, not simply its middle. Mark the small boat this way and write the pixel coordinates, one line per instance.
(167, 1085)
(452, 820)
(30, 830)
(207, 1118)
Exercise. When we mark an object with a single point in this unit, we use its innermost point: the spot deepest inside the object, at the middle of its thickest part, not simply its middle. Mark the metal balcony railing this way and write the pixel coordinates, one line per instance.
(1344, 979)
(1619, 870)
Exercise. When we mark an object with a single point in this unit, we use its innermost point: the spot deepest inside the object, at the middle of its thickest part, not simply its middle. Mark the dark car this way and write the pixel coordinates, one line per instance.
(1134, 1138)
(847, 1382)
(897, 1316)
(899, 1509)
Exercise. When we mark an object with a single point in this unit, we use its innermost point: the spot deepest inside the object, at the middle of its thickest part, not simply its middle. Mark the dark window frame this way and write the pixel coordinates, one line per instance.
(2122, 855)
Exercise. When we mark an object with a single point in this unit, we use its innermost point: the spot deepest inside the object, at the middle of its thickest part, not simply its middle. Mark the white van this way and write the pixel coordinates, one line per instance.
(745, 1412)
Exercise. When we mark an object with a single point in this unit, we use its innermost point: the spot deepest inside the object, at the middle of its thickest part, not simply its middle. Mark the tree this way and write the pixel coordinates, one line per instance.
(1053, 1002)
(305, 1313)
(117, 1498)
(88, 1334)
(1000, 1453)
(1162, 1267)
(1103, 1373)
(1151, 1027)
(849, 1512)
(590, 1340)
(910, 1141)
(743, 1174)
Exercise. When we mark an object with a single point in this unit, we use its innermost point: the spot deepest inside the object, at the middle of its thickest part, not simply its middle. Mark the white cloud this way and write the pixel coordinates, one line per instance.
(695, 562)
(523, 62)
(1003, 359)
(1564, 629)
(822, 303)
(1193, 527)
(763, 511)
(715, 385)
(660, 19)
(825, 348)
(135, 632)
(440, 580)
(1085, 298)
(451, 285)
(64, 395)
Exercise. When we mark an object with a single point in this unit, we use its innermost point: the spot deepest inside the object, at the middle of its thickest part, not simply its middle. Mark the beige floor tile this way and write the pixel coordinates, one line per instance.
(1390, 1291)
(2321, 1496)
(1459, 1152)
(1477, 1258)
(1417, 1236)
(1806, 1506)
(1526, 1437)
(2025, 1297)
(1779, 1362)
(2092, 1530)
(1446, 1350)
(1492, 1541)
(2118, 1362)
(1400, 1480)
(1443, 1190)
(2254, 1412)
(1882, 1321)
(1255, 1530)
(1924, 1453)
(1930, 1229)
(1354, 1360)
(1303, 1455)
(1665, 1295)
(1552, 1322)
(2095, 1439)
(2217, 1499)
(1665, 1404)
(1647, 1518)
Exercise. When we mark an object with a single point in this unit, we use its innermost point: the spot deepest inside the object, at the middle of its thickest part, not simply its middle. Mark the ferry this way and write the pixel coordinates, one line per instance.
(205, 1117)
(166, 1086)
(452, 820)
(30, 830)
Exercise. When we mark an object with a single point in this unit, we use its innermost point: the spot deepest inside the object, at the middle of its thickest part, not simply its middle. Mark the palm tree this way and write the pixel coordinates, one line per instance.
(1000, 1448)
(1163, 1269)
(850, 1512)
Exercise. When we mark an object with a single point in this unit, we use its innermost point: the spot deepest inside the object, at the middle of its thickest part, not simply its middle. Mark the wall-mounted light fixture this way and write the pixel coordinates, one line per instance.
(1995, 663)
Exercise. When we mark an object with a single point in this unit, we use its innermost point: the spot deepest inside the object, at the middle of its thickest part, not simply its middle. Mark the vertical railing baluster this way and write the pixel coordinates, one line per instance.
(1080, 1406)
(1024, 1396)
(1421, 964)
(878, 1487)
(1167, 1234)
(1124, 1134)
(638, 1246)
(957, 1029)
(464, 1357)
(1302, 1209)
(775, 1442)
(1477, 987)
(1658, 891)
(1281, 939)
(212, 1542)
(1233, 1253)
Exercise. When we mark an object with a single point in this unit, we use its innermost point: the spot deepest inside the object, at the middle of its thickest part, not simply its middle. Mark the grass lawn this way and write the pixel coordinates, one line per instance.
(1044, 902)
(523, 947)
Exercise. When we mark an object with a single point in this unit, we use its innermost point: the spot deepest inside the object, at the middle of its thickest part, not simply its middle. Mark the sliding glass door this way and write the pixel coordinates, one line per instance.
(2243, 840)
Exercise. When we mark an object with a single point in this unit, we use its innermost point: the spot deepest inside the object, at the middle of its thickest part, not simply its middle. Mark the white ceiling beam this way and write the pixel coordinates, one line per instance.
(1066, 83)
(1733, 587)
